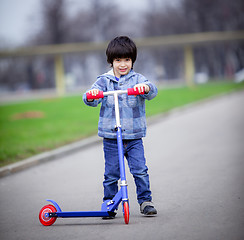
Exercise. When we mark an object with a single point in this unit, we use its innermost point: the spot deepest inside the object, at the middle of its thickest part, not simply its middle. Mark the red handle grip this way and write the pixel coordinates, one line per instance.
(90, 96)
(131, 91)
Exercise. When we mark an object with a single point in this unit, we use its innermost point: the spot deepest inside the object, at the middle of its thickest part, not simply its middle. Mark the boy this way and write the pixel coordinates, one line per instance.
(121, 54)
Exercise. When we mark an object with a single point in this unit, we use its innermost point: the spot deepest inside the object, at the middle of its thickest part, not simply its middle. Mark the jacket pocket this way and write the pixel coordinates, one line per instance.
(132, 101)
(110, 101)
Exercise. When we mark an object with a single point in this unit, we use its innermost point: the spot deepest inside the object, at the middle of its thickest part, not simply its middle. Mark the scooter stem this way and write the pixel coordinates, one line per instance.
(120, 149)
(116, 106)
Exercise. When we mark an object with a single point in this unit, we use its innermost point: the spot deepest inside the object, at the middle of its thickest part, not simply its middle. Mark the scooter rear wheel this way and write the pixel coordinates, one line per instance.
(47, 221)
(126, 212)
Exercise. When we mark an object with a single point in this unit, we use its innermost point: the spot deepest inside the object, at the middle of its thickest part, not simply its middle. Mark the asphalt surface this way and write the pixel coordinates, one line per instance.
(196, 165)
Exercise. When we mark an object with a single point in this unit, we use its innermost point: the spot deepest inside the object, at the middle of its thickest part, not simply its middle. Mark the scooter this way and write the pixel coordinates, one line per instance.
(49, 213)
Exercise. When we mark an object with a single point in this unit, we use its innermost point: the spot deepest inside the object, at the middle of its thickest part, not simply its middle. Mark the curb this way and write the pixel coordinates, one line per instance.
(48, 156)
(76, 146)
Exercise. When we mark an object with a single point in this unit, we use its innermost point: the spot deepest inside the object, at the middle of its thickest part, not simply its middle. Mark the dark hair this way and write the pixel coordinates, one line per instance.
(121, 47)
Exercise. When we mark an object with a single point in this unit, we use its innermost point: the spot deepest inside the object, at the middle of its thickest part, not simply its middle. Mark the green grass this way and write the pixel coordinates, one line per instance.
(65, 120)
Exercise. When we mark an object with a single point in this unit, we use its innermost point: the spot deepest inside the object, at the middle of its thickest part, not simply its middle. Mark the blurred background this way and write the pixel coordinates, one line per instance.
(28, 24)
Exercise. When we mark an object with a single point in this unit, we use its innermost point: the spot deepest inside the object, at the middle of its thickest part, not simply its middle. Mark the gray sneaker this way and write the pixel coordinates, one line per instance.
(148, 209)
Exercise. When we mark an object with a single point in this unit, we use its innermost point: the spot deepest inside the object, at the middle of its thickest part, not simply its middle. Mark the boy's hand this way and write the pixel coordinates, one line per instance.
(93, 92)
(142, 87)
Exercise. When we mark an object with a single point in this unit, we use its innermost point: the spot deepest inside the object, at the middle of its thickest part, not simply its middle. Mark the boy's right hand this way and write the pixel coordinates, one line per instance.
(93, 92)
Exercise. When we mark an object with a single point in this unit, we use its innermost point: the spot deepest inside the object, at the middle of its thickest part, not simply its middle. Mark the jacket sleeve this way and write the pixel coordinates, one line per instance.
(99, 84)
(153, 89)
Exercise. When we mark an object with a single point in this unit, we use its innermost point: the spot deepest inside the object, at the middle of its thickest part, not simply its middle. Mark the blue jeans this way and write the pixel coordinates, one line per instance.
(134, 153)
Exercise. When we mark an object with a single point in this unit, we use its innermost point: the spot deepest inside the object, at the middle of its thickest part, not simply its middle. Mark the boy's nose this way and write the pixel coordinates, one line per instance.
(122, 63)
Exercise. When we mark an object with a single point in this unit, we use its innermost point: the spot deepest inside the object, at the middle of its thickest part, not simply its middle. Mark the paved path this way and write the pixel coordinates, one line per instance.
(196, 166)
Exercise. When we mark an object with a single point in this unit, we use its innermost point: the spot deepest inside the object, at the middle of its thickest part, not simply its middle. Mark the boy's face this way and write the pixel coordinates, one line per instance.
(122, 66)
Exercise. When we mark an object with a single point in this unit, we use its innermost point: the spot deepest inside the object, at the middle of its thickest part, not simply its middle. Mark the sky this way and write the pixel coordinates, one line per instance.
(15, 19)
(19, 18)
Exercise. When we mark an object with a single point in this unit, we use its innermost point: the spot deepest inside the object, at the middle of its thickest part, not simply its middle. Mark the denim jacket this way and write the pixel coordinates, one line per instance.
(132, 108)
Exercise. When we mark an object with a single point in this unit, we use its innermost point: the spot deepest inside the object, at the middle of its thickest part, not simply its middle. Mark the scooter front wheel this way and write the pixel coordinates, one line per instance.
(126, 212)
(44, 219)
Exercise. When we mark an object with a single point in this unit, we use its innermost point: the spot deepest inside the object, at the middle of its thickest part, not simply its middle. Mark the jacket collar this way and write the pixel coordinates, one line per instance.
(111, 76)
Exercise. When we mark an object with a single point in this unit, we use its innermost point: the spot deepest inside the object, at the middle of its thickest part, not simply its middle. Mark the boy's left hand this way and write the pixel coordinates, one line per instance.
(142, 87)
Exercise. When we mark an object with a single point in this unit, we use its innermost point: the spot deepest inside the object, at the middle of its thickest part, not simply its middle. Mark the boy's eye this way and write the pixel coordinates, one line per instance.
(127, 59)
(117, 59)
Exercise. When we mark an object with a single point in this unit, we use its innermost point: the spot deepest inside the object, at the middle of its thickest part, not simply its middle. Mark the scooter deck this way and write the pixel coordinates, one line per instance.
(60, 213)
(80, 214)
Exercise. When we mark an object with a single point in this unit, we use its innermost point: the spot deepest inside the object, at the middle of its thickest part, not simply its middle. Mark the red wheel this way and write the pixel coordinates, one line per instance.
(126, 212)
(47, 221)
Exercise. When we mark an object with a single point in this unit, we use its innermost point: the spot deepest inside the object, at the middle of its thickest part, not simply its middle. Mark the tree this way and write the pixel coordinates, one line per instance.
(54, 23)
(208, 15)
(191, 16)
